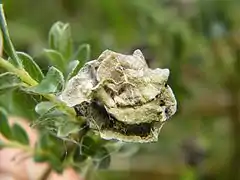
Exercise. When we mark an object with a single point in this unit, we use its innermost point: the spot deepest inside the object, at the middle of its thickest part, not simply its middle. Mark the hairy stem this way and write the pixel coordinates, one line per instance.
(23, 75)
(13, 144)
(28, 80)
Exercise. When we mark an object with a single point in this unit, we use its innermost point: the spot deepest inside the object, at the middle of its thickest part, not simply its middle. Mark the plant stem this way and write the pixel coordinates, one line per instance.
(8, 46)
(26, 78)
(233, 88)
(45, 175)
(13, 144)
(234, 170)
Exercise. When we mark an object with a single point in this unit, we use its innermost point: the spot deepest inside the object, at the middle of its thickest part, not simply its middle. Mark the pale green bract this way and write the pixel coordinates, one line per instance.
(121, 97)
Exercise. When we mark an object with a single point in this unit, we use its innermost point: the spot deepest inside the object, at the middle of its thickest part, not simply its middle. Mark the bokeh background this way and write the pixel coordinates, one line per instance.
(198, 40)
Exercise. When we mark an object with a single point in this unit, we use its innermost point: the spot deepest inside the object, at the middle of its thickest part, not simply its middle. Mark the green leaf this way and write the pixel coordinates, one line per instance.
(89, 146)
(4, 126)
(72, 68)
(78, 156)
(8, 45)
(22, 104)
(68, 128)
(47, 149)
(56, 58)
(44, 107)
(82, 55)
(6, 97)
(51, 144)
(53, 82)
(102, 158)
(60, 39)
(8, 81)
(43, 141)
(55, 163)
(19, 134)
(51, 120)
(39, 157)
(31, 66)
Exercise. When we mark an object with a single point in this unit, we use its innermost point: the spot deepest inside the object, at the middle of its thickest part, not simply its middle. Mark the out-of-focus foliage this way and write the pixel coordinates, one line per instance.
(198, 40)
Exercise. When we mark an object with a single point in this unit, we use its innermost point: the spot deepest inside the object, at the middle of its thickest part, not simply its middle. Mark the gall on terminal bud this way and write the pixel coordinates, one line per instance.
(121, 97)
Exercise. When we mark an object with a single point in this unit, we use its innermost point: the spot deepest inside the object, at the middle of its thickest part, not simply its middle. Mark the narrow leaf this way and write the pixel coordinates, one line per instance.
(19, 134)
(60, 39)
(21, 104)
(44, 107)
(53, 82)
(50, 120)
(67, 129)
(45, 151)
(82, 55)
(31, 66)
(39, 157)
(50, 143)
(41, 144)
(78, 156)
(8, 81)
(4, 126)
(56, 58)
(43, 141)
(88, 146)
(54, 161)
(8, 45)
(71, 68)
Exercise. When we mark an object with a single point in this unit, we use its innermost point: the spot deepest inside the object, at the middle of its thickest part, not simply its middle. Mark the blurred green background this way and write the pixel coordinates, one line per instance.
(198, 40)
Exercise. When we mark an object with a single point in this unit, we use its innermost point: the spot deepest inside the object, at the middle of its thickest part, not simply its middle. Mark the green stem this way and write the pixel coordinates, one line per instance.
(8, 46)
(16, 145)
(26, 78)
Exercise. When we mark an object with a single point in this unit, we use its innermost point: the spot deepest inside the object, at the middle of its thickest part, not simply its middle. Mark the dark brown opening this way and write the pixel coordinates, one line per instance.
(107, 121)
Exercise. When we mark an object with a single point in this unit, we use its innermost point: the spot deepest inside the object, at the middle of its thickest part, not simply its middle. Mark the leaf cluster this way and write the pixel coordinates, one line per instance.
(65, 139)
